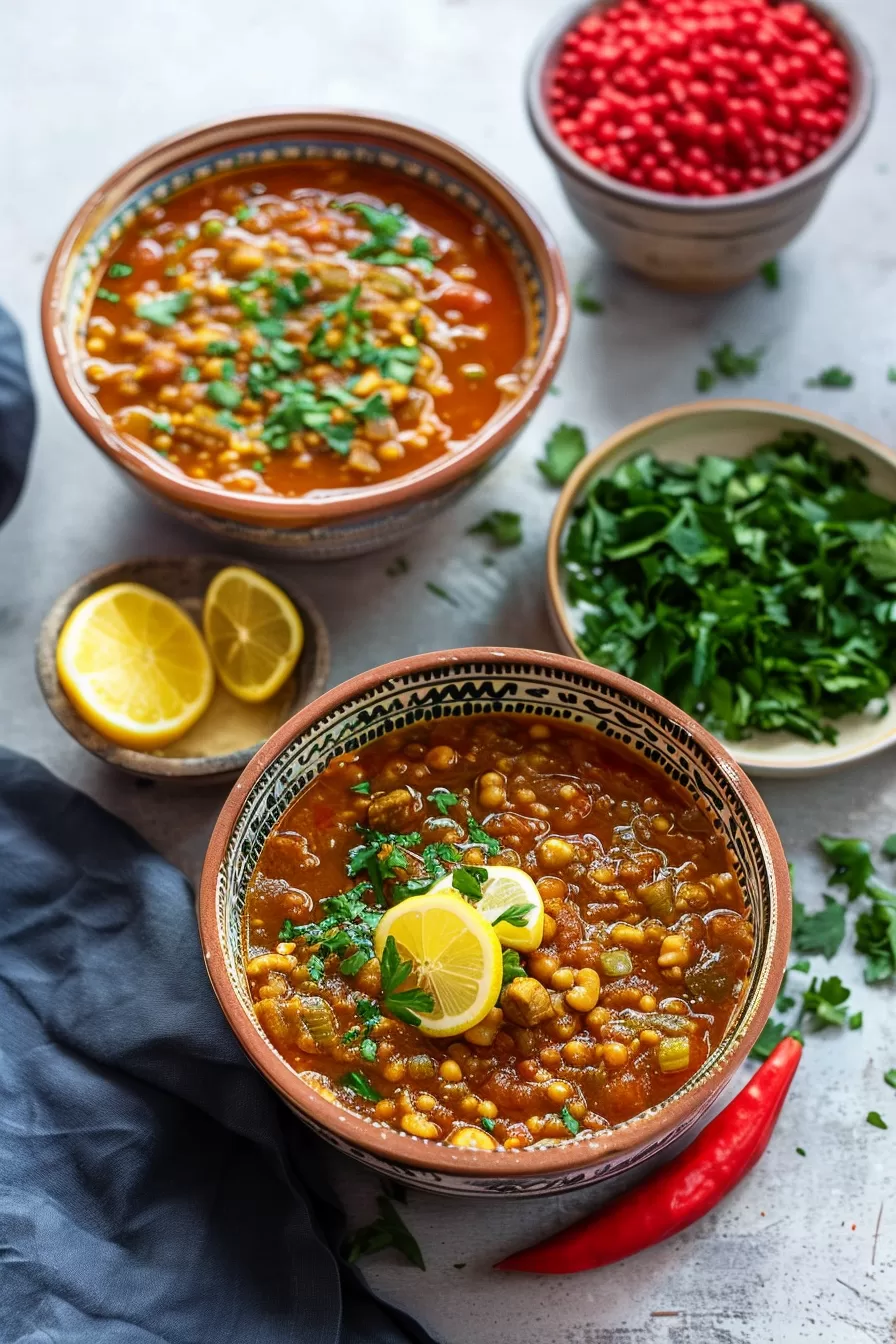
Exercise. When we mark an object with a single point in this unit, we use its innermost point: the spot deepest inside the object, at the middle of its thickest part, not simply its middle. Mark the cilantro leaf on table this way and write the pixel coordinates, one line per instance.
(876, 1119)
(585, 302)
(771, 273)
(388, 1230)
(772, 1034)
(890, 1077)
(404, 1004)
(563, 452)
(504, 527)
(853, 866)
(888, 848)
(824, 1001)
(727, 362)
(832, 377)
(821, 932)
(755, 593)
(165, 310)
(876, 934)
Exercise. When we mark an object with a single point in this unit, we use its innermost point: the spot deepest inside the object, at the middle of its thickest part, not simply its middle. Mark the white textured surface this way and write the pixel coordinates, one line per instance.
(792, 1255)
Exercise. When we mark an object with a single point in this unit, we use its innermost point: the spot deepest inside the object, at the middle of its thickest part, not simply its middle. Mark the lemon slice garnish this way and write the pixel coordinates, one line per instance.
(134, 666)
(254, 633)
(504, 889)
(455, 954)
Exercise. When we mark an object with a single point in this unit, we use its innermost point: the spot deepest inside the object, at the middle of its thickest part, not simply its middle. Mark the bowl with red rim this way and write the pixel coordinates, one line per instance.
(630, 719)
(637, 181)
(323, 523)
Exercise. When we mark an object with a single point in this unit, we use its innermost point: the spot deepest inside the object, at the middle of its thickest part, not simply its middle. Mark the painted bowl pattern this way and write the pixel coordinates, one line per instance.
(483, 681)
(322, 525)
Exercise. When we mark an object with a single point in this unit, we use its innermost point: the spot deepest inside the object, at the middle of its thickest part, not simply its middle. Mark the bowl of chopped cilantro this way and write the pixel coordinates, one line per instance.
(305, 330)
(739, 557)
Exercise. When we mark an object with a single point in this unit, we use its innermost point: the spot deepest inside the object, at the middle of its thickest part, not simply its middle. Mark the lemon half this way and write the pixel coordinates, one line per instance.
(505, 887)
(455, 954)
(254, 633)
(134, 666)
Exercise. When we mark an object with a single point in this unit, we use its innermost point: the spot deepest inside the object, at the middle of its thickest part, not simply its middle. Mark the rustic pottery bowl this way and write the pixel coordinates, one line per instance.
(693, 243)
(184, 578)
(489, 680)
(733, 429)
(330, 524)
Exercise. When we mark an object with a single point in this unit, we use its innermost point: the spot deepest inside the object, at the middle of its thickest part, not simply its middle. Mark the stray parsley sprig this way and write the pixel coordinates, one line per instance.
(832, 377)
(727, 362)
(388, 1230)
(563, 452)
(504, 527)
(585, 302)
(404, 1004)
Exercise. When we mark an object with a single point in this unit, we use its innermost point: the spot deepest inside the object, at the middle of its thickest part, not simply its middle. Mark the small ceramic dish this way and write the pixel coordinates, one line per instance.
(470, 681)
(216, 748)
(733, 429)
(325, 524)
(685, 242)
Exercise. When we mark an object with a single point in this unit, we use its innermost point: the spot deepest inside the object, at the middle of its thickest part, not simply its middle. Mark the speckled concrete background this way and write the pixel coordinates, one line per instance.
(806, 1248)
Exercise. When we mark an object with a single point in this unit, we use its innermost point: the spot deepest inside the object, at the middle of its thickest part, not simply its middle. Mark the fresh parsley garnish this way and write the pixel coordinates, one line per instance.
(397, 362)
(386, 226)
(344, 320)
(755, 593)
(487, 1124)
(585, 302)
(504, 527)
(109, 295)
(191, 374)
(832, 377)
(515, 915)
(876, 934)
(119, 269)
(727, 362)
(821, 932)
(771, 273)
(876, 1119)
(388, 1230)
(303, 407)
(468, 881)
(479, 836)
(563, 452)
(442, 800)
(404, 1004)
(357, 1083)
(228, 395)
(569, 1120)
(512, 969)
(222, 347)
(367, 1050)
(165, 310)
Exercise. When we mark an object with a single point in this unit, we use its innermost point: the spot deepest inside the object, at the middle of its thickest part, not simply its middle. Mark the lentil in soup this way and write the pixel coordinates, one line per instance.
(642, 958)
(305, 327)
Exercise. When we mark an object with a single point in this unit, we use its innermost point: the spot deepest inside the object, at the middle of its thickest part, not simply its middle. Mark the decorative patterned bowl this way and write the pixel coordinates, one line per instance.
(733, 428)
(324, 525)
(461, 682)
(684, 242)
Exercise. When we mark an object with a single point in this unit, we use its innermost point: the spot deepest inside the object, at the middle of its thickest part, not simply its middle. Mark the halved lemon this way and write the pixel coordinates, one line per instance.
(455, 954)
(134, 666)
(253, 631)
(503, 889)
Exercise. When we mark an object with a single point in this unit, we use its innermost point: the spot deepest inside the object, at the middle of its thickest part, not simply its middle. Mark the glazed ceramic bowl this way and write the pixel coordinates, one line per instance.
(323, 524)
(733, 429)
(185, 579)
(483, 681)
(693, 243)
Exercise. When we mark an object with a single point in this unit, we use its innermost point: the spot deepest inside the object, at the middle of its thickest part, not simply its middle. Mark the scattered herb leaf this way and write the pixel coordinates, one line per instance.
(404, 1004)
(563, 452)
(442, 593)
(569, 1120)
(166, 310)
(876, 1119)
(119, 269)
(821, 932)
(771, 273)
(108, 294)
(504, 528)
(359, 1084)
(442, 799)
(388, 1230)
(512, 968)
(832, 377)
(585, 302)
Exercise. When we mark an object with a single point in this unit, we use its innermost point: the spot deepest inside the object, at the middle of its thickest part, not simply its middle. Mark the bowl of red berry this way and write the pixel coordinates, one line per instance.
(695, 138)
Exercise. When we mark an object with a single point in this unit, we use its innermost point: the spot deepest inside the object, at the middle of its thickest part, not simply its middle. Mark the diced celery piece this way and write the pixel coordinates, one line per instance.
(673, 1053)
(617, 962)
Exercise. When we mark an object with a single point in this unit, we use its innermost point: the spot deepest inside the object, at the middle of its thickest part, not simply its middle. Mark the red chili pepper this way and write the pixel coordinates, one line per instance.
(683, 1190)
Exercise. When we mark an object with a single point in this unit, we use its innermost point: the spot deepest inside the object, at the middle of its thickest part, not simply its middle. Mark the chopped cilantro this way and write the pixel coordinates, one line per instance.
(584, 301)
(890, 1077)
(853, 867)
(891, 374)
(771, 273)
(347, 329)
(315, 967)
(821, 932)
(357, 1083)
(165, 310)
(824, 1002)
(385, 228)
(704, 380)
(367, 1050)
(888, 848)
(404, 1004)
(487, 1124)
(119, 269)
(569, 1120)
(727, 362)
(876, 934)
(303, 407)
(242, 212)
(504, 528)
(397, 362)
(442, 799)
(363, 787)
(388, 1230)
(161, 425)
(801, 1151)
(563, 452)
(511, 966)
(832, 377)
(222, 347)
(772, 1034)
(228, 395)
(191, 374)
(876, 1119)
(468, 881)
(754, 593)
(479, 836)
(855, 1022)
(258, 466)
(108, 294)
